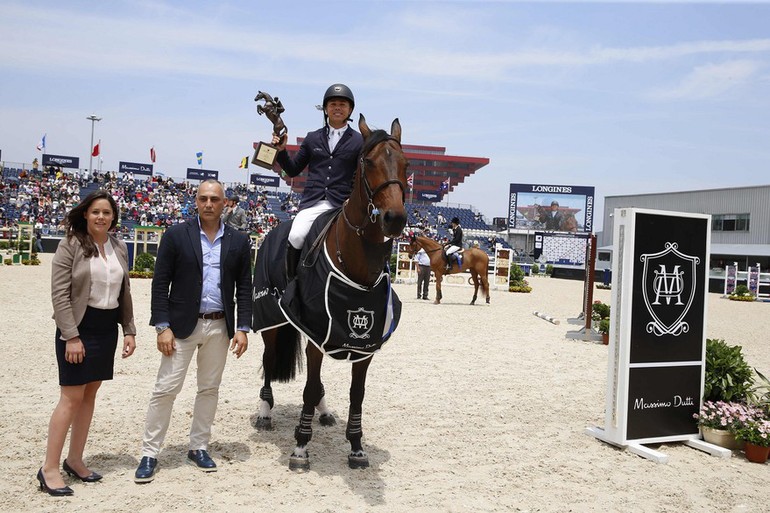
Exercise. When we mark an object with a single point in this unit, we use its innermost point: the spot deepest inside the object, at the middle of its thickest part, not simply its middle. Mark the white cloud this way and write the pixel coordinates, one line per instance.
(711, 80)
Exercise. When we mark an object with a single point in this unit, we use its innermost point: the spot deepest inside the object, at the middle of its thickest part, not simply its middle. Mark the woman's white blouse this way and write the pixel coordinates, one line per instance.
(106, 279)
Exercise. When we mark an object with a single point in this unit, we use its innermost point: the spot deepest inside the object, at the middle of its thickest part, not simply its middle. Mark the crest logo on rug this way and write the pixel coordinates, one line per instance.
(669, 284)
(360, 322)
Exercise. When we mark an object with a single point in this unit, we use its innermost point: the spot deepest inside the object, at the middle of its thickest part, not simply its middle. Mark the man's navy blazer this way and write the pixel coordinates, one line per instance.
(178, 279)
(330, 173)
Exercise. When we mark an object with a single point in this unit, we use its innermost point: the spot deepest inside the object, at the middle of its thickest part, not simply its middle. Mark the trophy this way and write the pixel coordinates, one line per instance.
(264, 153)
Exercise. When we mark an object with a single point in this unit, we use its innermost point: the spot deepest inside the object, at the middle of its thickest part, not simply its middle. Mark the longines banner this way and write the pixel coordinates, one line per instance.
(658, 325)
(133, 167)
(562, 208)
(429, 196)
(266, 180)
(201, 174)
(60, 161)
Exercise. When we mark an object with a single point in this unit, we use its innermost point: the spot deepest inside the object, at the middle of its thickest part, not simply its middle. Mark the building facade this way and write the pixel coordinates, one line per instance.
(740, 221)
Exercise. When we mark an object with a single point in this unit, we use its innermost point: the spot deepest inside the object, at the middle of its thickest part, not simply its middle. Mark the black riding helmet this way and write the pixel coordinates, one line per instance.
(338, 91)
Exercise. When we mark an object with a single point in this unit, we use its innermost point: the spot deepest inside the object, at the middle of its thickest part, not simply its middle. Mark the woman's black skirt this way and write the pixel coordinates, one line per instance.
(99, 333)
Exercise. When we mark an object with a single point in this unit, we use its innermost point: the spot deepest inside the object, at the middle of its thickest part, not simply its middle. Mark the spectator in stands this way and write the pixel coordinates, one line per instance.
(91, 295)
(456, 244)
(330, 154)
(234, 216)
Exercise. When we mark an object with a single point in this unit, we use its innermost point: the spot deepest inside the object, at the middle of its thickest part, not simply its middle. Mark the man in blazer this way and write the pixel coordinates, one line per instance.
(202, 270)
(330, 155)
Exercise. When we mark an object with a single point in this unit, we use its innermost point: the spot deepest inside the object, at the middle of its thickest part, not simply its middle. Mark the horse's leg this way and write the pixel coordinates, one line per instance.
(485, 285)
(264, 420)
(475, 278)
(357, 457)
(439, 277)
(325, 415)
(299, 459)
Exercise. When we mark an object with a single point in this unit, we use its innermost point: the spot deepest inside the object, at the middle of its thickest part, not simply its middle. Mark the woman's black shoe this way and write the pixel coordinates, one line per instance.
(56, 492)
(90, 478)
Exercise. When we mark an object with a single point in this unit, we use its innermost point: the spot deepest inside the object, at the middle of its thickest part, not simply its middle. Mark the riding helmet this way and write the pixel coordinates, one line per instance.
(455, 220)
(339, 91)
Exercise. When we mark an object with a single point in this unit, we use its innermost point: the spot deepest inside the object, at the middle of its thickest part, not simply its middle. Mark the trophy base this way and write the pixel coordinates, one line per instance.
(264, 155)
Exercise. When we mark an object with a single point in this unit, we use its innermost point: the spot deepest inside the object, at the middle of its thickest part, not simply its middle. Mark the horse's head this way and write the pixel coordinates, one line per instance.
(381, 177)
(413, 247)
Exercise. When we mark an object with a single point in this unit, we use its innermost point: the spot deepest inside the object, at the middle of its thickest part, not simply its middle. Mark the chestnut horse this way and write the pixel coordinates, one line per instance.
(357, 242)
(474, 259)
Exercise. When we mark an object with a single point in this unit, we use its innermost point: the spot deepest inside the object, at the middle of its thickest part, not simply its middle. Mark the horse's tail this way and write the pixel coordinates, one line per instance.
(288, 354)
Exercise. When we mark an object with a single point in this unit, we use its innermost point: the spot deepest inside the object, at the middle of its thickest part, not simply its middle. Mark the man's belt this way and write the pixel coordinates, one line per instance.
(212, 315)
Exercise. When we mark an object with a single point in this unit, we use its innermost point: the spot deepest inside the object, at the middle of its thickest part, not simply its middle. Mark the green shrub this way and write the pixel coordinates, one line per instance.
(144, 261)
(535, 268)
(604, 325)
(728, 376)
(741, 289)
(4, 244)
(549, 270)
(600, 311)
(516, 281)
(8, 261)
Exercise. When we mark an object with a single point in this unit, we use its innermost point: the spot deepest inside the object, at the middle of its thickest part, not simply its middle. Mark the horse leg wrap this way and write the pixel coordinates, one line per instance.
(354, 430)
(304, 432)
(266, 394)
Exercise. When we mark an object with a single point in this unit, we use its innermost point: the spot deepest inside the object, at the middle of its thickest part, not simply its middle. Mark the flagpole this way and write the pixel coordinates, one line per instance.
(93, 119)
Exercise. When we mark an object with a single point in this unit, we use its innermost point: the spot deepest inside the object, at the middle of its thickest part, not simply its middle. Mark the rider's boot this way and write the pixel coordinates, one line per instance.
(292, 260)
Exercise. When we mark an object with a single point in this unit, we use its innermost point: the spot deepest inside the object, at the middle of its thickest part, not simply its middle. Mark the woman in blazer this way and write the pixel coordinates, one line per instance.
(91, 295)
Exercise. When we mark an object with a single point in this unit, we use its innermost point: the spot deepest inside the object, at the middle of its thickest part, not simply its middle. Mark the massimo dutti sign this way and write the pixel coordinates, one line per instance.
(657, 326)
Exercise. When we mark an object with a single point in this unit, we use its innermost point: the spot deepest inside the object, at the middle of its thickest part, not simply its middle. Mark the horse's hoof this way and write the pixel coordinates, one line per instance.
(487, 300)
(299, 464)
(358, 460)
(327, 419)
(263, 424)
(473, 302)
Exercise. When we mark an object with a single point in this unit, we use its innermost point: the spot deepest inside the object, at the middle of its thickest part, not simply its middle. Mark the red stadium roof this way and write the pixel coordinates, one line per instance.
(429, 164)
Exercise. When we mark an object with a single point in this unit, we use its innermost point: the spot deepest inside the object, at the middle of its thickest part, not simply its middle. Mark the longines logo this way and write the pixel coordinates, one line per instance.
(668, 286)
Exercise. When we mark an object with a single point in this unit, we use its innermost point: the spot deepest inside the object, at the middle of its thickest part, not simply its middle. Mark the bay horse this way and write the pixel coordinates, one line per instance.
(474, 259)
(357, 242)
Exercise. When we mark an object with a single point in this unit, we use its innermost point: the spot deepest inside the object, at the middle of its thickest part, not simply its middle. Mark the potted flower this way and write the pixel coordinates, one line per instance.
(718, 420)
(604, 329)
(755, 432)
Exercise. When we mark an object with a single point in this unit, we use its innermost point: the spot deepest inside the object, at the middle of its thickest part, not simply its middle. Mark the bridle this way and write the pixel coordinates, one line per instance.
(371, 210)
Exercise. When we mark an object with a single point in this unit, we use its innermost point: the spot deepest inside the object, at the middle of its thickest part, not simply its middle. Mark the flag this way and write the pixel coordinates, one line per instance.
(444, 187)
(410, 181)
(152, 154)
(244, 163)
(95, 151)
(200, 158)
(41, 144)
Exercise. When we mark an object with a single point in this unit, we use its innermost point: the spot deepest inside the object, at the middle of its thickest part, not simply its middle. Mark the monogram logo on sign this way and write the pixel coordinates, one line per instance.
(360, 322)
(668, 285)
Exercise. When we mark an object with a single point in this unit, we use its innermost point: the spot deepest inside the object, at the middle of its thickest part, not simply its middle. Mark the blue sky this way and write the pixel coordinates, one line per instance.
(628, 97)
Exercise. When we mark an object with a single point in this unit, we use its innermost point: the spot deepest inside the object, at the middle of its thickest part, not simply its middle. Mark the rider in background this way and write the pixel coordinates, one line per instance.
(330, 154)
(456, 244)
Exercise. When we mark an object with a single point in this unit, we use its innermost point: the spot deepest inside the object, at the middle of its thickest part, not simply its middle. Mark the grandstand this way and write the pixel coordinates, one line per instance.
(44, 196)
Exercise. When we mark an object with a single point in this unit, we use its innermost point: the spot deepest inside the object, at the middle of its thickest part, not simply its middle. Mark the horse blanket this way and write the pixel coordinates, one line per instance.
(342, 318)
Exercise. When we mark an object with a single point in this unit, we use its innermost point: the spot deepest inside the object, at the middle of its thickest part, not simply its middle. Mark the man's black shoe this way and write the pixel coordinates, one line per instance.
(146, 470)
(202, 460)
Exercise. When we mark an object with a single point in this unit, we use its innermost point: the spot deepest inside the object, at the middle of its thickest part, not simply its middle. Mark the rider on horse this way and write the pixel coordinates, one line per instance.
(330, 154)
(454, 245)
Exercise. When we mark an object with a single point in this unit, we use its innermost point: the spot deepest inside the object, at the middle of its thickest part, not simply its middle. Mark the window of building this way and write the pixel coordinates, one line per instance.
(730, 222)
